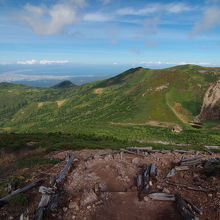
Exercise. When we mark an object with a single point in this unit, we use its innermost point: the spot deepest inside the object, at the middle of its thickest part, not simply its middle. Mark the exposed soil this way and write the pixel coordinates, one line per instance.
(104, 188)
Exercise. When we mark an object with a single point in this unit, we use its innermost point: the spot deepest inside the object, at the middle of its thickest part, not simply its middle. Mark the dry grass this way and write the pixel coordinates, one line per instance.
(98, 91)
(40, 104)
(60, 102)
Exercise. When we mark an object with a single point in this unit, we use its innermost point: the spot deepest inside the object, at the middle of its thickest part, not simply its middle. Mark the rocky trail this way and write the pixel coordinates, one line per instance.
(106, 184)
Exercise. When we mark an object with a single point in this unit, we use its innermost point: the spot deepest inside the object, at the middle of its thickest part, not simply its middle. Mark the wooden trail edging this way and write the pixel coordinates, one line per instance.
(50, 195)
(6, 199)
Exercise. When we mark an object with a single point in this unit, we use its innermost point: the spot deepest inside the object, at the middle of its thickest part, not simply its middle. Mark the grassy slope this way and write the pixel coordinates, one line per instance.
(107, 107)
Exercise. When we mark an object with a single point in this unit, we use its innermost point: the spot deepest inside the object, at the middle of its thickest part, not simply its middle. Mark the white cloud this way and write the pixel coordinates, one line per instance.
(97, 17)
(47, 21)
(76, 3)
(172, 63)
(153, 8)
(105, 2)
(210, 19)
(42, 62)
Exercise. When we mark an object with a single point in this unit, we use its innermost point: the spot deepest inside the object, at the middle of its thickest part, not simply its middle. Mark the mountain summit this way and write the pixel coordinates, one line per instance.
(64, 84)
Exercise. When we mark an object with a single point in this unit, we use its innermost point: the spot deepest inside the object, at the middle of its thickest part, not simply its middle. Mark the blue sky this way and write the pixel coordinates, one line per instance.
(109, 32)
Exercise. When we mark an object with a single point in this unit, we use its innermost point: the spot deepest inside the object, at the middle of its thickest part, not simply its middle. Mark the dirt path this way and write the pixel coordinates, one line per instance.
(104, 188)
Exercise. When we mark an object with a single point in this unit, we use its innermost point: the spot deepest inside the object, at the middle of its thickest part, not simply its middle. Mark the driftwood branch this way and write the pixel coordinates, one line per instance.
(6, 199)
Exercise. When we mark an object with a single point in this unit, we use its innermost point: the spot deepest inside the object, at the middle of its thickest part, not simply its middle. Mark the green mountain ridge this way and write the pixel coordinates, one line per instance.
(64, 84)
(137, 97)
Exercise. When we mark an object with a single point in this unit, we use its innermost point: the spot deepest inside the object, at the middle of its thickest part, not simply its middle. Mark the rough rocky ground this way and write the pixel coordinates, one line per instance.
(104, 188)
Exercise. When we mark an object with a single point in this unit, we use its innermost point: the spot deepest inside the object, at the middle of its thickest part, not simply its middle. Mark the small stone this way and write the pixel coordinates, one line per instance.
(136, 161)
(65, 209)
(88, 198)
(159, 187)
(210, 195)
(146, 199)
(195, 175)
(73, 217)
(165, 190)
(73, 205)
(89, 207)
(108, 157)
(11, 217)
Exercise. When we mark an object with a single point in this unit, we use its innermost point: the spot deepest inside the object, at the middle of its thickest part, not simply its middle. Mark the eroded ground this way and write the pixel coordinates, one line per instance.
(104, 187)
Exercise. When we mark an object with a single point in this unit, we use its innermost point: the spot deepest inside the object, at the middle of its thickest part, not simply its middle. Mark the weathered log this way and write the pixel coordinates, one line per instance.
(211, 161)
(63, 172)
(212, 147)
(122, 155)
(6, 199)
(153, 170)
(184, 186)
(191, 161)
(171, 173)
(194, 207)
(139, 182)
(131, 152)
(185, 212)
(47, 192)
(182, 151)
(24, 215)
(181, 168)
(165, 151)
(162, 196)
(54, 201)
(140, 148)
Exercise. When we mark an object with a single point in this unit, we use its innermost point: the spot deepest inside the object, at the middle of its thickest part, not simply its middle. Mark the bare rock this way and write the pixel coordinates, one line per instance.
(211, 103)
(136, 161)
(88, 198)
(65, 209)
(165, 190)
(73, 205)
(108, 157)
(146, 199)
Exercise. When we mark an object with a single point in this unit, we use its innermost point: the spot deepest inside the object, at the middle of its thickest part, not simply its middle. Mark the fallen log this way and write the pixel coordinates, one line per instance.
(24, 215)
(191, 161)
(162, 196)
(50, 194)
(153, 170)
(184, 210)
(171, 173)
(140, 148)
(6, 199)
(139, 182)
(184, 186)
(181, 168)
(131, 152)
(63, 172)
(194, 207)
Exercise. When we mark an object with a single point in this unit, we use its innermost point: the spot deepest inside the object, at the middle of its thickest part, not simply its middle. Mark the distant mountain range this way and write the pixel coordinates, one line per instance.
(176, 96)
